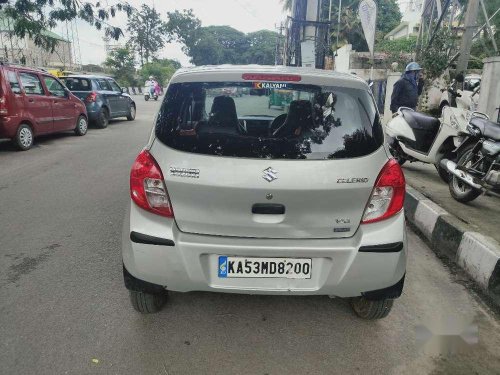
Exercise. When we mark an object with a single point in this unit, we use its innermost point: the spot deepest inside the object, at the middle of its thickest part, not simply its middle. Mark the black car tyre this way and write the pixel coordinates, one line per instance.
(102, 118)
(371, 310)
(81, 126)
(131, 112)
(24, 137)
(147, 303)
(459, 190)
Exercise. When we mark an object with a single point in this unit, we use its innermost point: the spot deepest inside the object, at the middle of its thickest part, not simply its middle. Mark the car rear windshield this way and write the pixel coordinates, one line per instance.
(78, 84)
(269, 120)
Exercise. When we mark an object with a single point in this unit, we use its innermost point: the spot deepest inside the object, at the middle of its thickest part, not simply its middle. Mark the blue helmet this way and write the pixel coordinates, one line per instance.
(413, 66)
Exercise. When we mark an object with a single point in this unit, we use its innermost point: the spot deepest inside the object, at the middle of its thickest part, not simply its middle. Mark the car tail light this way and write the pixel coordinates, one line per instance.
(388, 195)
(147, 188)
(4, 110)
(91, 98)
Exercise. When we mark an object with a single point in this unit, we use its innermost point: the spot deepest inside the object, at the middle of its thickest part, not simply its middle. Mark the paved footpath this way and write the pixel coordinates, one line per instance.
(64, 310)
(482, 214)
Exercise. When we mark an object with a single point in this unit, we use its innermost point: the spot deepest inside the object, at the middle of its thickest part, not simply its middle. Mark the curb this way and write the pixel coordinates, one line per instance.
(476, 254)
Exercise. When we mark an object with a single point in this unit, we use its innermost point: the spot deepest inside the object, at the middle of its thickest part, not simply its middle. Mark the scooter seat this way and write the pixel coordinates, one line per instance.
(488, 128)
(420, 121)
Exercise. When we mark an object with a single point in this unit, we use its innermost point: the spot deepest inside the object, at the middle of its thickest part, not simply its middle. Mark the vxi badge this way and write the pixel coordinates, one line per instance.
(352, 180)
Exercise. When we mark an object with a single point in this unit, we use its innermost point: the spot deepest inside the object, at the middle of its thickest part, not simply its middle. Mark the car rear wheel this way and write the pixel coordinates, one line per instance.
(81, 126)
(131, 113)
(24, 137)
(102, 119)
(371, 310)
(147, 303)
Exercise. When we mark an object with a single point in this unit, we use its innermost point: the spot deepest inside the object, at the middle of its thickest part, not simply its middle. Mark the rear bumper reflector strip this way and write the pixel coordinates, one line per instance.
(384, 248)
(150, 240)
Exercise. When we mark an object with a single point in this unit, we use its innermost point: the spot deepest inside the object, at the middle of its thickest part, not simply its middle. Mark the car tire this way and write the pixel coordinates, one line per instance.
(147, 303)
(459, 190)
(102, 118)
(82, 126)
(131, 112)
(371, 309)
(24, 137)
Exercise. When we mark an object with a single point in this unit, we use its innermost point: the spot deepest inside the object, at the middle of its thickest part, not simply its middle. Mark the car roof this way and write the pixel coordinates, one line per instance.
(215, 73)
(87, 76)
(25, 68)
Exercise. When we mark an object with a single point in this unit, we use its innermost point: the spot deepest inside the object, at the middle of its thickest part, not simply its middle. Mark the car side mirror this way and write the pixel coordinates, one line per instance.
(124, 90)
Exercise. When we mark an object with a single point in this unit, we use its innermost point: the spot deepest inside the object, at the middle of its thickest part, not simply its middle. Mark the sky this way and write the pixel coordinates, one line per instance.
(243, 15)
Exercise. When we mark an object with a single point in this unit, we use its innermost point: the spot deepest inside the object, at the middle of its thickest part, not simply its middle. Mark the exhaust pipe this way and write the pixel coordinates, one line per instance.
(465, 177)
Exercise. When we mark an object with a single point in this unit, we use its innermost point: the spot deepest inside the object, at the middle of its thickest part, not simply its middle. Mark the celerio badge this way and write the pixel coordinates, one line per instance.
(270, 174)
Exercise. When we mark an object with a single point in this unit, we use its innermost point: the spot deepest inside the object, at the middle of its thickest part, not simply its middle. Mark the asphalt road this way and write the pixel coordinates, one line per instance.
(64, 309)
(482, 214)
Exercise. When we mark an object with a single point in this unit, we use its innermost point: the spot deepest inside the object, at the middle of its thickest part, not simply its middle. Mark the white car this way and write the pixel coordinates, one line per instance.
(232, 196)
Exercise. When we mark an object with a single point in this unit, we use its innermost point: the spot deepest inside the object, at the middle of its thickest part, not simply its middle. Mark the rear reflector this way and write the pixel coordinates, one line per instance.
(147, 188)
(271, 77)
(388, 194)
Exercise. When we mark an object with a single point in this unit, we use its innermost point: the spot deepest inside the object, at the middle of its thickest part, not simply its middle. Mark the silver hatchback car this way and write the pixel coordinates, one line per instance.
(266, 180)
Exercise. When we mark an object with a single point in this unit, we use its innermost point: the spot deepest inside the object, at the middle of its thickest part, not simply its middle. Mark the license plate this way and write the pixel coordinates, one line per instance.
(287, 268)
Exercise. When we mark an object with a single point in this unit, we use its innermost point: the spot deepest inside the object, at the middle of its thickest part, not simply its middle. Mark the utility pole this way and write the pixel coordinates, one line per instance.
(470, 27)
(278, 58)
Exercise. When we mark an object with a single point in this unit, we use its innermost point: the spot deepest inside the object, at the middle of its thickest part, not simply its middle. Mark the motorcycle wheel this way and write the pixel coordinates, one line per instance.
(146, 98)
(459, 190)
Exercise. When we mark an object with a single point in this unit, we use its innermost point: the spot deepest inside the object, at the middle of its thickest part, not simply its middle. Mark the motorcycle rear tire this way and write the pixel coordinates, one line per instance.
(459, 190)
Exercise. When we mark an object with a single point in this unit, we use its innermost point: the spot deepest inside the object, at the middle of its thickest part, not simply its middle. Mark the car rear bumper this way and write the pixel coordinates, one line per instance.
(8, 126)
(345, 267)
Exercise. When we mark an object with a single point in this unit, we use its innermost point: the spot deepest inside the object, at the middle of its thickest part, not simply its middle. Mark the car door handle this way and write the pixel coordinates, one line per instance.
(268, 209)
(31, 100)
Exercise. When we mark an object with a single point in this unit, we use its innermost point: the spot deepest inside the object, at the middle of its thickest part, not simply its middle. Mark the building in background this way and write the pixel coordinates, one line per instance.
(410, 23)
(24, 51)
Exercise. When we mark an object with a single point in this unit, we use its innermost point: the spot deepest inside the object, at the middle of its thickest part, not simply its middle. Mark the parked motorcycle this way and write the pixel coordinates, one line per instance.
(414, 136)
(148, 95)
(477, 169)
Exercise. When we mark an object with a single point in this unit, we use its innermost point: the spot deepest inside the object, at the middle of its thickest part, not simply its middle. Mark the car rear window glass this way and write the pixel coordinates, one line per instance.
(269, 120)
(78, 84)
(31, 83)
(104, 85)
(13, 82)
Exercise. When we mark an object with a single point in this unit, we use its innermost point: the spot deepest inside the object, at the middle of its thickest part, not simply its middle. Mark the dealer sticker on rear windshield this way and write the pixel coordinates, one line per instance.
(269, 85)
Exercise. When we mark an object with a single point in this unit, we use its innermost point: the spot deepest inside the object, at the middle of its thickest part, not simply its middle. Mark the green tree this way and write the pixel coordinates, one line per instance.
(33, 17)
(261, 47)
(147, 33)
(161, 69)
(398, 50)
(219, 44)
(121, 62)
(351, 31)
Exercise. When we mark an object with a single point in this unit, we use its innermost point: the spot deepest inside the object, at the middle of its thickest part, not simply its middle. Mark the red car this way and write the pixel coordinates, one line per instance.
(33, 102)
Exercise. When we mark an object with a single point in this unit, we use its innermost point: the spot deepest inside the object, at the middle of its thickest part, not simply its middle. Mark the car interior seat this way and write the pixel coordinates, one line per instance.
(223, 113)
(299, 118)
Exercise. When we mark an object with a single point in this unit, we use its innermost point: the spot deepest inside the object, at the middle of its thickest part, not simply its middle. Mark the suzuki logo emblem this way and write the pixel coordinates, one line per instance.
(270, 174)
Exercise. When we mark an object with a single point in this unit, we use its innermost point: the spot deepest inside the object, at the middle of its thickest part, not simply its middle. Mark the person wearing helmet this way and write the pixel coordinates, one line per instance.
(408, 88)
(150, 85)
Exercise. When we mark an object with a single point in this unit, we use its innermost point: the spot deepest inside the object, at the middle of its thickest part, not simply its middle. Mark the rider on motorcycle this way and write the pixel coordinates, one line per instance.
(150, 85)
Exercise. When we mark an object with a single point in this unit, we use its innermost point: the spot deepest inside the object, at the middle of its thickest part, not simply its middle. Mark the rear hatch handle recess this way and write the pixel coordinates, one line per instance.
(268, 209)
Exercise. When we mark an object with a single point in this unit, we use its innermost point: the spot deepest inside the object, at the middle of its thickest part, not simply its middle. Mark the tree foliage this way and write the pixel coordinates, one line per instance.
(214, 45)
(351, 31)
(33, 17)
(434, 58)
(161, 69)
(398, 50)
(147, 32)
(121, 62)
